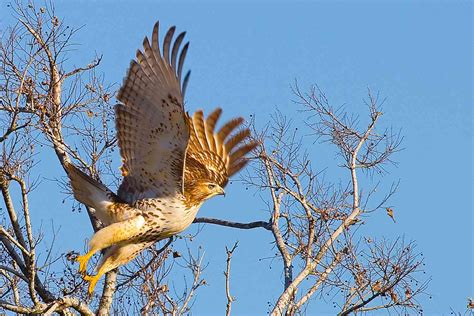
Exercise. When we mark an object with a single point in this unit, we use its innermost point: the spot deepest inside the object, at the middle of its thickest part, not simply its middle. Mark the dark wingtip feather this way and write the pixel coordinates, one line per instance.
(174, 52)
(185, 82)
(167, 43)
(182, 57)
(155, 38)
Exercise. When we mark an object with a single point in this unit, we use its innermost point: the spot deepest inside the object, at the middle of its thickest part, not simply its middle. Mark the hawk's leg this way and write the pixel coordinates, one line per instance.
(110, 235)
(115, 256)
(92, 279)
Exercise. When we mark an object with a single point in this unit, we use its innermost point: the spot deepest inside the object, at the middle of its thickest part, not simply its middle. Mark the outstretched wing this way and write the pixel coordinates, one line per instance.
(215, 156)
(152, 127)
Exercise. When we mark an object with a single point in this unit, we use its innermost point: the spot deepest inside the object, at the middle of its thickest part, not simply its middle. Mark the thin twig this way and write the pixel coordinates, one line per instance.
(230, 298)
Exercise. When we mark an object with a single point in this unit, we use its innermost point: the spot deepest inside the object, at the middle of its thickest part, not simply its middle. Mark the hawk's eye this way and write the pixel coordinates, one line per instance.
(211, 186)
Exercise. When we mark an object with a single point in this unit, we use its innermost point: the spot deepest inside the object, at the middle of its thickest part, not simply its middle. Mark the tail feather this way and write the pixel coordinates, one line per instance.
(91, 192)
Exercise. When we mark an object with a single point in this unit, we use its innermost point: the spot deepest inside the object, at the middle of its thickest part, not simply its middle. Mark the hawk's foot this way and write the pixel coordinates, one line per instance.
(83, 262)
(92, 279)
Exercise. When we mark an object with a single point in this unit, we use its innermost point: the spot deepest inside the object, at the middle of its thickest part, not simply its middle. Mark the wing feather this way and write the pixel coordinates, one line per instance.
(210, 125)
(155, 40)
(174, 54)
(182, 57)
(152, 127)
(185, 82)
(167, 42)
(224, 132)
(236, 139)
(236, 167)
(240, 152)
(198, 123)
(215, 156)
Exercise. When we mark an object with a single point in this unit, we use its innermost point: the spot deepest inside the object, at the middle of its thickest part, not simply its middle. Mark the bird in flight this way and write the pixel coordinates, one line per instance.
(171, 162)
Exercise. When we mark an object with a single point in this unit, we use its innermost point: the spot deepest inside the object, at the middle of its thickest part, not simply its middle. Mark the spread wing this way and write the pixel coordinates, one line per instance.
(216, 156)
(152, 127)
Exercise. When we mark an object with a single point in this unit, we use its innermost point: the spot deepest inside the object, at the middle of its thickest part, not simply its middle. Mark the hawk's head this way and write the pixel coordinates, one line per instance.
(211, 189)
(201, 190)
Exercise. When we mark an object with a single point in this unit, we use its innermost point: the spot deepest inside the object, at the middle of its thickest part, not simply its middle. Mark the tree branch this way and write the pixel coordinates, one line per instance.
(230, 298)
(220, 222)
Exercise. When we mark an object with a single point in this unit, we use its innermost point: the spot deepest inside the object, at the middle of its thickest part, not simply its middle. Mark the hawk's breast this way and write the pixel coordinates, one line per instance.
(165, 217)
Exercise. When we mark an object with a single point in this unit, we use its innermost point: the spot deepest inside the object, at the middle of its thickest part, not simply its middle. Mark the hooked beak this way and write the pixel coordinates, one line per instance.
(221, 191)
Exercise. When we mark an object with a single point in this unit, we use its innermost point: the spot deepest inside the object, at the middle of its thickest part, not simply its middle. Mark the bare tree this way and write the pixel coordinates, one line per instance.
(44, 103)
(317, 226)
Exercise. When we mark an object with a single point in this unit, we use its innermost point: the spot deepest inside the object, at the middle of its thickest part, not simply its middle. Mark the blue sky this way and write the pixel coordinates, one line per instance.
(245, 55)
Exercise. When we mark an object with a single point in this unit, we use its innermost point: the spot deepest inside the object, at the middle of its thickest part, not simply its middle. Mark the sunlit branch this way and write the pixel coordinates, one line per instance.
(258, 224)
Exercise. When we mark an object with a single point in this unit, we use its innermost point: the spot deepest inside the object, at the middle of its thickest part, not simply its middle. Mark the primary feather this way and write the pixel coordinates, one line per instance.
(214, 156)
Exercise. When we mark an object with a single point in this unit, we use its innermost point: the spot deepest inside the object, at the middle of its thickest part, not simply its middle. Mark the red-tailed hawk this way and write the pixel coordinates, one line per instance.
(172, 162)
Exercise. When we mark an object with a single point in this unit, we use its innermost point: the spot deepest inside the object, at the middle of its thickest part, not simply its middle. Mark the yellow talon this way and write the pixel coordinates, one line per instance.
(92, 279)
(87, 277)
(83, 262)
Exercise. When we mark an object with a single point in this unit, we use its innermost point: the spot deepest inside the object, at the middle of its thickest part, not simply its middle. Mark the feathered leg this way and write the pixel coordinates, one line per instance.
(115, 256)
(110, 235)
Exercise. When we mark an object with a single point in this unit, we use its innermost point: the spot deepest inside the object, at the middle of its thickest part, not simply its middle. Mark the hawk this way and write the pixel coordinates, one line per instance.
(171, 162)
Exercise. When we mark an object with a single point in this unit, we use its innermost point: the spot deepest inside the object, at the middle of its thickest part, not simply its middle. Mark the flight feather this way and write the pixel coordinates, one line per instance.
(152, 128)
